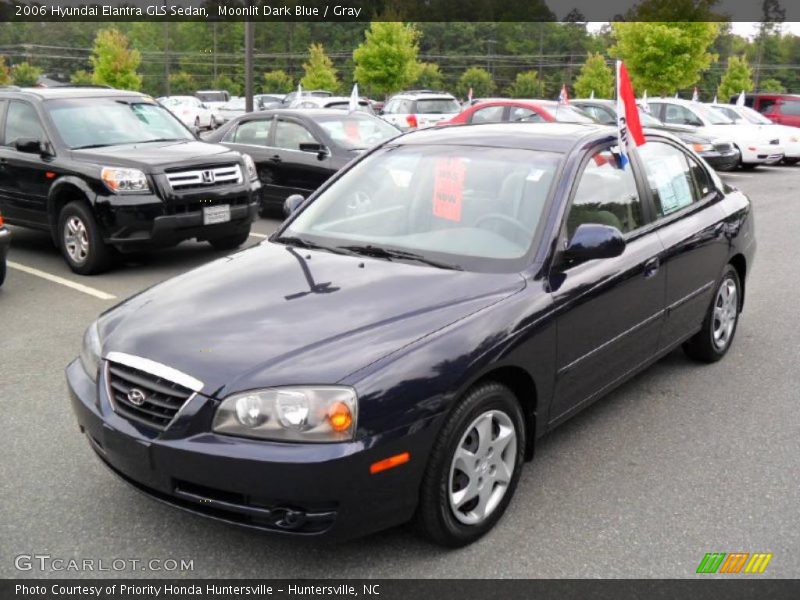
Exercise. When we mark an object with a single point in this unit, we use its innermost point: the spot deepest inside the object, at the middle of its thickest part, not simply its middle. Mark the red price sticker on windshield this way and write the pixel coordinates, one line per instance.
(448, 188)
(352, 130)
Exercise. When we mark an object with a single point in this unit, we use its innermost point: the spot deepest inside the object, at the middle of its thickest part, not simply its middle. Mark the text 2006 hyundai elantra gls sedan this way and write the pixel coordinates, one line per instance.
(394, 351)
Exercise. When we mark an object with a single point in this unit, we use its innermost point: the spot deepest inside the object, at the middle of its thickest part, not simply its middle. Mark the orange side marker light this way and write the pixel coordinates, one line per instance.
(389, 463)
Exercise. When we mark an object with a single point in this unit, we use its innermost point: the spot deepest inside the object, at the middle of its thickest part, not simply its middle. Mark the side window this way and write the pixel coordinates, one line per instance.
(253, 133)
(729, 112)
(490, 114)
(674, 181)
(765, 105)
(390, 107)
(518, 113)
(606, 195)
(22, 122)
(790, 107)
(406, 107)
(680, 115)
(290, 135)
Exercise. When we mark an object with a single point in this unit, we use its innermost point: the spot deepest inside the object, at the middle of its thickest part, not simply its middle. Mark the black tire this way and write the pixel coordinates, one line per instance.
(790, 161)
(230, 242)
(2, 271)
(748, 166)
(703, 346)
(98, 254)
(435, 518)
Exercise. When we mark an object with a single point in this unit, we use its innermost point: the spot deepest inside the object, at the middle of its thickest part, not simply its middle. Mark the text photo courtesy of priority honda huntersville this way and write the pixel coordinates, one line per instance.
(392, 352)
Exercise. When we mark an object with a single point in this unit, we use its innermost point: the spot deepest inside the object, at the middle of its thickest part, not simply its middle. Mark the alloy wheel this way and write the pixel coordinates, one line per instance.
(726, 310)
(482, 467)
(76, 239)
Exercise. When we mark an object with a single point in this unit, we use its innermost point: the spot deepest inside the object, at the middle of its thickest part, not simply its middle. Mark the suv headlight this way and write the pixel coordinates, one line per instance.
(290, 414)
(250, 167)
(125, 181)
(90, 351)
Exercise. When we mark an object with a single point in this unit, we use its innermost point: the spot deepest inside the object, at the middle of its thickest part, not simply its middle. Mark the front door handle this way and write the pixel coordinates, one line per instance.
(651, 267)
(275, 159)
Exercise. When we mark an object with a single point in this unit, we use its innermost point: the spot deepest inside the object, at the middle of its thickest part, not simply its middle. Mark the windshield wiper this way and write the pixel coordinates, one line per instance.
(389, 254)
(90, 146)
(298, 242)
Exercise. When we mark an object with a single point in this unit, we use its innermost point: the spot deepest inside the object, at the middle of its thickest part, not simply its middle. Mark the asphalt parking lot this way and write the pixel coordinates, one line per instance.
(681, 461)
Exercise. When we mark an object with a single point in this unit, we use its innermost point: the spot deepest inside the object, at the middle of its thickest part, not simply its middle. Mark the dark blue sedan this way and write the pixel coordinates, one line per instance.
(395, 350)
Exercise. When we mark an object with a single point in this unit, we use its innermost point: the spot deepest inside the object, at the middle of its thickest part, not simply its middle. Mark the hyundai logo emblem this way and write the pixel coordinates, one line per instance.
(208, 177)
(136, 397)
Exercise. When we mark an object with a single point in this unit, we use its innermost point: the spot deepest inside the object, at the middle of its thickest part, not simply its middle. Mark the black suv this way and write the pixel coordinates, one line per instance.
(108, 170)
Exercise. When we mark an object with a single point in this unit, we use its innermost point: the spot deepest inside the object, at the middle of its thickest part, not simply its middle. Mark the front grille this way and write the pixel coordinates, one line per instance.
(143, 397)
(723, 147)
(203, 178)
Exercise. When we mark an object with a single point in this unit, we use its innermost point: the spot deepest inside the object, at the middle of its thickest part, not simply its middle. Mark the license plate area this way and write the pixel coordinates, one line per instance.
(216, 214)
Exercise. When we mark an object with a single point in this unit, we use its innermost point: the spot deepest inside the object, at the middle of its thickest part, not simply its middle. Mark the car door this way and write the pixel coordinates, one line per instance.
(252, 136)
(298, 171)
(26, 183)
(610, 311)
(689, 224)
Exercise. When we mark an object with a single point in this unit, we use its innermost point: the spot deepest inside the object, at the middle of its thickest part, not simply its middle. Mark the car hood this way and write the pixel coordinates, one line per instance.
(277, 315)
(157, 156)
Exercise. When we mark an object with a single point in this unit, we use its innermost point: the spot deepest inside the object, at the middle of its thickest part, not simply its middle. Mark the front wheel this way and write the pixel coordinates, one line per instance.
(473, 468)
(80, 240)
(791, 161)
(230, 242)
(712, 342)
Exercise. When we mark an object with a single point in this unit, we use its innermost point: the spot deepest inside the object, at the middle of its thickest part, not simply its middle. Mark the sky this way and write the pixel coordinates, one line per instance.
(745, 29)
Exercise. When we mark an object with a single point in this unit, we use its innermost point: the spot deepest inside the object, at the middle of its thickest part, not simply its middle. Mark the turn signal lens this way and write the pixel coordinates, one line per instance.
(1, 220)
(389, 463)
(339, 416)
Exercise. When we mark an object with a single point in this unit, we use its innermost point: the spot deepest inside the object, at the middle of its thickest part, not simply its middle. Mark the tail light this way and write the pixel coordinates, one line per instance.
(1, 220)
(412, 121)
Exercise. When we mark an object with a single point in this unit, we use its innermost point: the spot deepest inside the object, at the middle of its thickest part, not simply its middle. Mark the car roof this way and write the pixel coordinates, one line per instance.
(550, 137)
(72, 92)
(600, 101)
(424, 96)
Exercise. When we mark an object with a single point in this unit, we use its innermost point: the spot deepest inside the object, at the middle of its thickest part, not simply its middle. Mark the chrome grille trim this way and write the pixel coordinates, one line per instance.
(155, 368)
(231, 174)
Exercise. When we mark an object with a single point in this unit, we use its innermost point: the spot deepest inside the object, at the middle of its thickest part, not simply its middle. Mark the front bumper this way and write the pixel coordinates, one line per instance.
(766, 154)
(301, 489)
(722, 161)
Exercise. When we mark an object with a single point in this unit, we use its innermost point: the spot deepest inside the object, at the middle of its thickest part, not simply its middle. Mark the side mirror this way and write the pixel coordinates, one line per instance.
(321, 151)
(591, 241)
(30, 146)
(291, 204)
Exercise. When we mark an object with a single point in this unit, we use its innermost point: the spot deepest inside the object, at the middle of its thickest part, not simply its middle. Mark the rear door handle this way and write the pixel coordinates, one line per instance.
(651, 267)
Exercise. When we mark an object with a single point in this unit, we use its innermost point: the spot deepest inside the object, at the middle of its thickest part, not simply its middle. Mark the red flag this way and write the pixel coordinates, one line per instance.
(626, 107)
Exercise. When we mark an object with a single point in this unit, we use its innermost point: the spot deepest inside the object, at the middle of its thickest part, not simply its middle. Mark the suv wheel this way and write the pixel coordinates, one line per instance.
(230, 242)
(80, 240)
(473, 468)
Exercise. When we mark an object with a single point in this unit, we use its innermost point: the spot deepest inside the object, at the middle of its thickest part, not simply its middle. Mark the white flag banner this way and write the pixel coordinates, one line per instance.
(645, 105)
(740, 99)
(353, 104)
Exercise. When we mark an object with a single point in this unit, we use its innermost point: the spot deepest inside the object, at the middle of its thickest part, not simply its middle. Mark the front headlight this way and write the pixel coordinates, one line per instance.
(90, 351)
(703, 147)
(290, 414)
(250, 166)
(125, 181)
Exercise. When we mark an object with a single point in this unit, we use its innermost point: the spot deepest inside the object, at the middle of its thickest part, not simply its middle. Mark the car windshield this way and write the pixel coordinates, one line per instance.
(565, 113)
(235, 104)
(468, 207)
(712, 115)
(97, 122)
(357, 131)
(212, 96)
(181, 100)
(753, 116)
(649, 120)
(438, 106)
(345, 105)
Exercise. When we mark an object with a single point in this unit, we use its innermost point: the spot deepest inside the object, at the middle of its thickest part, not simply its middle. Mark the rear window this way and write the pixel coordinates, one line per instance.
(212, 96)
(790, 107)
(570, 114)
(438, 106)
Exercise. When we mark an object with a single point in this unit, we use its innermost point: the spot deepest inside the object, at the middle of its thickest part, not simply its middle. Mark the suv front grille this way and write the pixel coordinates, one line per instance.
(202, 178)
(143, 397)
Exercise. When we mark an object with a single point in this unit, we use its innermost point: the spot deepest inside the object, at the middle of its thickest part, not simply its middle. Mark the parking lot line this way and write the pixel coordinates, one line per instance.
(259, 235)
(61, 281)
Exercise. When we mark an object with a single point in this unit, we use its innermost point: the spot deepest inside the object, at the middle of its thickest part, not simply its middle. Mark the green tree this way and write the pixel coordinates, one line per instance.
(771, 85)
(182, 84)
(114, 63)
(595, 76)
(224, 82)
(278, 82)
(525, 85)
(737, 77)
(81, 77)
(386, 61)
(429, 77)
(480, 80)
(25, 74)
(5, 72)
(663, 57)
(319, 71)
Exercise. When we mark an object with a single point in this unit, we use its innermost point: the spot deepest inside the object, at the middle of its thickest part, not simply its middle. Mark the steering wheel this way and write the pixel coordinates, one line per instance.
(503, 219)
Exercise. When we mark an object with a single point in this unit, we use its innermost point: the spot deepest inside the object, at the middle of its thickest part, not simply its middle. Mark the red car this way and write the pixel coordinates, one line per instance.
(779, 108)
(530, 111)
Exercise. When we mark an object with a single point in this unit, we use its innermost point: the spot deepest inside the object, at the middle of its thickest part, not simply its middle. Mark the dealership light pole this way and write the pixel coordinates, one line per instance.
(248, 66)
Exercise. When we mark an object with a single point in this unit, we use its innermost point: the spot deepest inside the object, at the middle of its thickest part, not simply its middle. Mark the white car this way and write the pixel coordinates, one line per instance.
(337, 102)
(418, 109)
(754, 145)
(789, 136)
(213, 99)
(191, 111)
